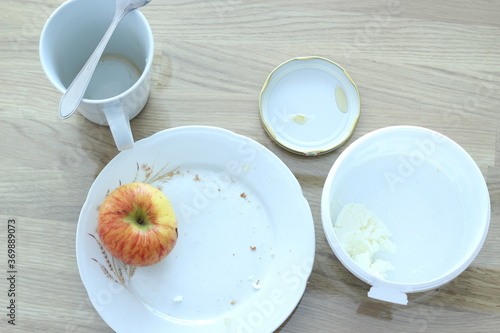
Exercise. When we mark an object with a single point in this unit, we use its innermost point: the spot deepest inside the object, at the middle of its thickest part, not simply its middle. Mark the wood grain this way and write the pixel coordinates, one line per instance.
(425, 63)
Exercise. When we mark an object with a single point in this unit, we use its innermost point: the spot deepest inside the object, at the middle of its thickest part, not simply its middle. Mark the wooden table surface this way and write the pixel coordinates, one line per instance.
(428, 63)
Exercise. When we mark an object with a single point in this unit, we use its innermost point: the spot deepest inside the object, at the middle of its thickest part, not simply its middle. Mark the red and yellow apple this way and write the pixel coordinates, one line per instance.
(137, 224)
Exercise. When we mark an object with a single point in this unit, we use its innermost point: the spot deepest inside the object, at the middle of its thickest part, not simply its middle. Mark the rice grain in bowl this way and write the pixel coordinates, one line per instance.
(428, 194)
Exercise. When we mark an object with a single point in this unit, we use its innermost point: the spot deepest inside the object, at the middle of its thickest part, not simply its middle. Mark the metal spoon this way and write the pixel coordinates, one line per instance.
(73, 96)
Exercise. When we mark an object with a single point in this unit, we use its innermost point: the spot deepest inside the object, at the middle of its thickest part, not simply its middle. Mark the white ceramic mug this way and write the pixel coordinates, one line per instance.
(119, 88)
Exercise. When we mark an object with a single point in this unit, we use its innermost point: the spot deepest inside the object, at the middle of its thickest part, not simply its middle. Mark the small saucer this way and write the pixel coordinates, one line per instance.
(309, 105)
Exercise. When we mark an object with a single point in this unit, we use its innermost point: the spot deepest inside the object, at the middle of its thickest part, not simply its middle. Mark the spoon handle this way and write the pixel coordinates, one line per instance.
(74, 95)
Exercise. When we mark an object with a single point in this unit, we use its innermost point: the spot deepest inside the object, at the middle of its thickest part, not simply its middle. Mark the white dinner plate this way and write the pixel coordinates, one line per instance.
(246, 237)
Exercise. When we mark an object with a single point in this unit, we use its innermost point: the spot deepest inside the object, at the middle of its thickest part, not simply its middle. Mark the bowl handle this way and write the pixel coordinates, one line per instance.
(388, 295)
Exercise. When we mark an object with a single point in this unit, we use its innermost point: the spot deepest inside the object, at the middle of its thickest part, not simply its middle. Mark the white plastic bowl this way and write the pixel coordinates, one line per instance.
(430, 194)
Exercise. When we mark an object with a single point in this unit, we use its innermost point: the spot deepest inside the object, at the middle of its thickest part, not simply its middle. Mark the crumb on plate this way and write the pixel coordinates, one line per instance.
(256, 285)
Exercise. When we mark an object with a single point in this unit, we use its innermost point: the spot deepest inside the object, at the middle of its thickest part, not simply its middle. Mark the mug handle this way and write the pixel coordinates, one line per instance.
(119, 124)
